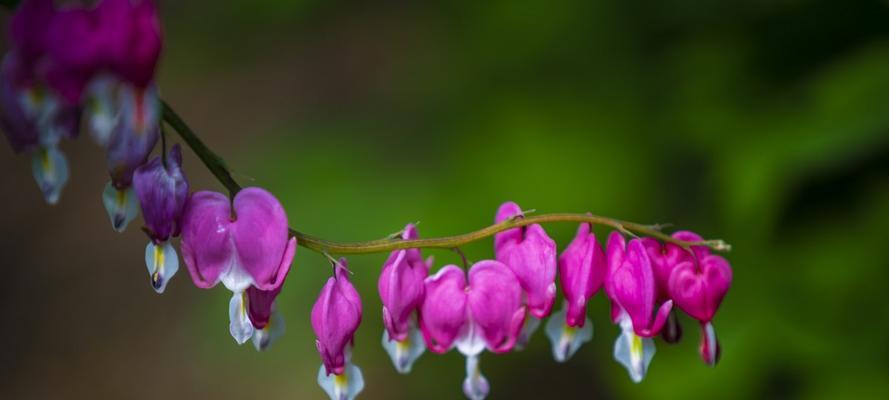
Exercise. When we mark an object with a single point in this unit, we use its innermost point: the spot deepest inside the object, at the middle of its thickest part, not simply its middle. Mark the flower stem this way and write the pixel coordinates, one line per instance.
(220, 170)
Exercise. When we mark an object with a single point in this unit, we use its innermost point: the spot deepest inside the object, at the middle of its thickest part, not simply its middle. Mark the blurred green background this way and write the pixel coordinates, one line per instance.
(765, 123)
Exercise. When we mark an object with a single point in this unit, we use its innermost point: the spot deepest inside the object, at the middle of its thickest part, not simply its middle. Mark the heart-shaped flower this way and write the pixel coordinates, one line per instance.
(530, 253)
(242, 243)
(698, 289)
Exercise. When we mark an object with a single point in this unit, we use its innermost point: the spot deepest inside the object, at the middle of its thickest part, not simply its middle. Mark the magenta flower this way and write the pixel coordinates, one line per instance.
(335, 318)
(531, 255)
(631, 285)
(242, 244)
(698, 287)
(485, 313)
(664, 259)
(401, 288)
(162, 190)
(582, 270)
(34, 118)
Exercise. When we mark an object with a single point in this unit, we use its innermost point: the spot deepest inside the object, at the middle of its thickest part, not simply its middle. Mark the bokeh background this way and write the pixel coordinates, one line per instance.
(765, 123)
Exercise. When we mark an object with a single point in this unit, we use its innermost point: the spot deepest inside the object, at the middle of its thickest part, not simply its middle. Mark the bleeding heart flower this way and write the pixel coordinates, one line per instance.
(631, 285)
(664, 259)
(582, 270)
(401, 288)
(485, 313)
(530, 253)
(162, 191)
(698, 289)
(335, 318)
(242, 243)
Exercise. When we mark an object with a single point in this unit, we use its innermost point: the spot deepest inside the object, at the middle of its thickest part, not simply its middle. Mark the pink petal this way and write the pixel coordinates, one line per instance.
(260, 235)
(495, 304)
(443, 313)
(206, 237)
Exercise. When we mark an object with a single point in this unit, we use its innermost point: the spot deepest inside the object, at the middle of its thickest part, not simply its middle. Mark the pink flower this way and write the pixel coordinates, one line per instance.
(582, 270)
(698, 287)
(531, 255)
(401, 287)
(335, 318)
(485, 313)
(631, 285)
(242, 244)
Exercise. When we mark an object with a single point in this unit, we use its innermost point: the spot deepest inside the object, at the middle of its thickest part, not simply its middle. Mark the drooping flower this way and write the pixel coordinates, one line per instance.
(531, 255)
(33, 117)
(631, 285)
(335, 318)
(582, 270)
(243, 243)
(401, 288)
(106, 58)
(664, 259)
(698, 287)
(162, 191)
(485, 313)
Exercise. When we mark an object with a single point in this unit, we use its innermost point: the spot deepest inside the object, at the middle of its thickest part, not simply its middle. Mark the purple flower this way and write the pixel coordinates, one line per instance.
(33, 118)
(242, 243)
(698, 287)
(582, 270)
(485, 313)
(631, 285)
(162, 191)
(401, 288)
(335, 318)
(531, 255)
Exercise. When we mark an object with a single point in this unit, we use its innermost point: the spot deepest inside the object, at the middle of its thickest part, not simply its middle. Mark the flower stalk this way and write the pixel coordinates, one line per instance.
(220, 170)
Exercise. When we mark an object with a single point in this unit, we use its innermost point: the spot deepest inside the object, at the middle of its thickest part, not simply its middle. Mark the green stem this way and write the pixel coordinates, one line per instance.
(217, 166)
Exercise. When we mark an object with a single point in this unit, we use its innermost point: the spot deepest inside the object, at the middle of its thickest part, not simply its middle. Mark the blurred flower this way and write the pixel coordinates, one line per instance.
(631, 285)
(335, 318)
(531, 255)
(162, 191)
(33, 117)
(487, 313)
(401, 288)
(242, 243)
(581, 272)
(698, 287)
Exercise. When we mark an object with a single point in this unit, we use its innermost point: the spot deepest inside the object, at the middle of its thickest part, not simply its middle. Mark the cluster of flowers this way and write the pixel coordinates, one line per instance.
(97, 64)
(501, 302)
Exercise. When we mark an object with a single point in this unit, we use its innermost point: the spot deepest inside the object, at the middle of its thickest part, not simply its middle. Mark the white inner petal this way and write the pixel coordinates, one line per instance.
(633, 352)
(50, 169)
(239, 322)
(403, 354)
(566, 340)
(162, 263)
(342, 387)
(122, 206)
(475, 385)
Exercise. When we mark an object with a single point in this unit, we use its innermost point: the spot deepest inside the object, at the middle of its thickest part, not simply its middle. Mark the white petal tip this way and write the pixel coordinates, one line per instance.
(122, 206)
(342, 387)
(403, 354)
(566, 340)
(50, 170)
